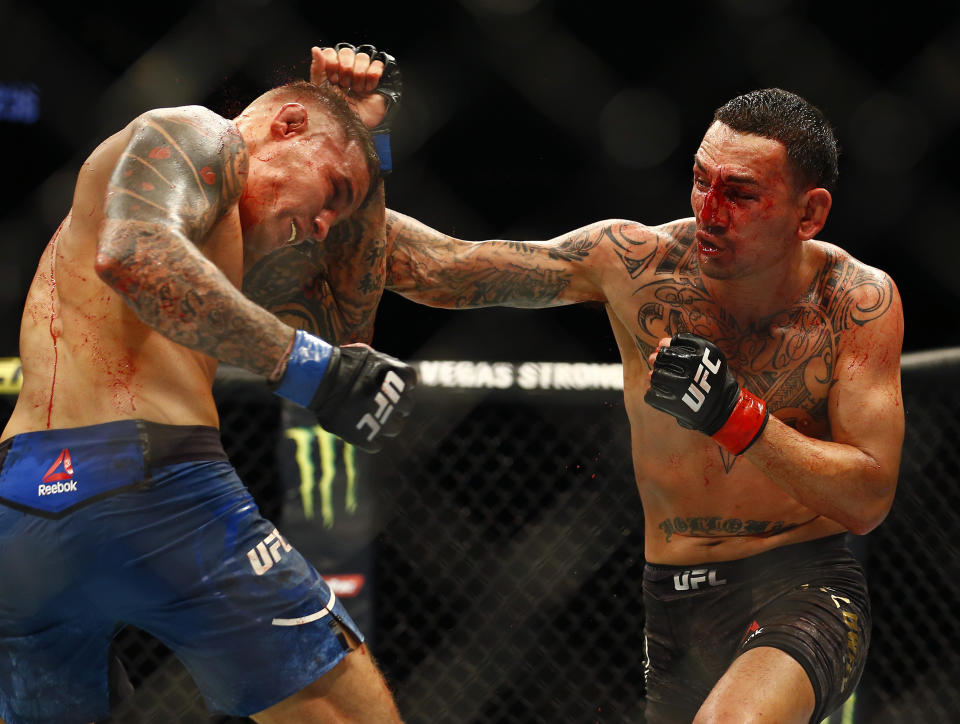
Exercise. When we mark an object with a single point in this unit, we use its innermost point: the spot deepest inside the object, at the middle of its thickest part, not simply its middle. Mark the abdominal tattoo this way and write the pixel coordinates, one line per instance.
(716, 525)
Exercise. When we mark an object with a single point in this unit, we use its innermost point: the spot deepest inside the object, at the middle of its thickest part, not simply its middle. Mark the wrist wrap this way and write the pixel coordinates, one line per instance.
(744, 425)
(306, 367)
(381, 141)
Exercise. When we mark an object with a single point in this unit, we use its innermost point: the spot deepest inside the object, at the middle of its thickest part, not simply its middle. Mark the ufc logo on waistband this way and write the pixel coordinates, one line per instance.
(386, 399)
(692, 579)
(695, 395)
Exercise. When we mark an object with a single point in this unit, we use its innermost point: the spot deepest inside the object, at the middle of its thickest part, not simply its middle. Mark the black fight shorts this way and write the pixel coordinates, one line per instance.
(808, 599)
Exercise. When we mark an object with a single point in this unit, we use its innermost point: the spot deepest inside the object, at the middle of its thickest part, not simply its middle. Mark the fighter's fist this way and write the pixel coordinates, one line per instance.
(692, 381)
(357, 393)
(369, 78)
(365, 396)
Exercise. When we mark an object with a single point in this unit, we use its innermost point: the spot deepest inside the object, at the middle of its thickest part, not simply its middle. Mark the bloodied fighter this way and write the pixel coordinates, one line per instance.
(762, 386)
(117, 502)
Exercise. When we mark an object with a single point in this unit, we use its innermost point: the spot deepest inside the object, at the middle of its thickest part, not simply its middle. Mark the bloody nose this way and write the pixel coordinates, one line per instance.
(711, 203)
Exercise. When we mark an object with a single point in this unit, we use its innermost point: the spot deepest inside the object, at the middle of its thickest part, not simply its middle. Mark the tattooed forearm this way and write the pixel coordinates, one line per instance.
(438, 270)
(330, 288)
(354, 257)
(463, 284)
(175, 290)
(289, 284)
(707, 526)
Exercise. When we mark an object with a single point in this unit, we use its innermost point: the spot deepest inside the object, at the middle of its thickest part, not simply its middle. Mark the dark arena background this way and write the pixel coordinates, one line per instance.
(493, 554)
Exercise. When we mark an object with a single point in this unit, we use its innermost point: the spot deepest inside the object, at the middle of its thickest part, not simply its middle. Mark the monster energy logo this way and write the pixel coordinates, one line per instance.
(310, 483)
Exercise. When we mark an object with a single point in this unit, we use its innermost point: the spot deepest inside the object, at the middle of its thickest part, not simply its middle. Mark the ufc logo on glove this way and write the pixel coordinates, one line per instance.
(342, 384)
(681, 385)
(385, 400)
(694, 397)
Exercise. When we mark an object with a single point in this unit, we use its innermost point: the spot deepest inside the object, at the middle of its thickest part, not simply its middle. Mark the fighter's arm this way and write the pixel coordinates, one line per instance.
(853, 477)
(329, 288)
(438, 270)
(181, 173)
(332, 287)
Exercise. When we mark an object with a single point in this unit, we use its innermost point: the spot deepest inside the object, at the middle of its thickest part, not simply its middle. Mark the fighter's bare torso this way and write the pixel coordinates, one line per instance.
(87, 358)
(701, 503)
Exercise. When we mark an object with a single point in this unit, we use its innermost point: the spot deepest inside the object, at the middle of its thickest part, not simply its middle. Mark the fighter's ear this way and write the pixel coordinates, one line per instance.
(816, 206)
(290, 120)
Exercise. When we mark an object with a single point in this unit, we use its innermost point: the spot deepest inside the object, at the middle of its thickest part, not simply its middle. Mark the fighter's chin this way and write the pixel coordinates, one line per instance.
(711, 270)
(720, 269)
(712, 266)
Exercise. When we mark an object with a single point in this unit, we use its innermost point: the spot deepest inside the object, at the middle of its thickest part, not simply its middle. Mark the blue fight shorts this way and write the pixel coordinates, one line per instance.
(138, 523)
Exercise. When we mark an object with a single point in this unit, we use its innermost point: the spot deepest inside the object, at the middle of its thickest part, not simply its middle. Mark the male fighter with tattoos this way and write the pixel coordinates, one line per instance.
(779, 356)
(117, 502)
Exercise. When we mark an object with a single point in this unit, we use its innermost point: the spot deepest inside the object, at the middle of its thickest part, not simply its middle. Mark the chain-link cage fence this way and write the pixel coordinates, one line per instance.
(512, 559)
(493, 553)
(913, 566)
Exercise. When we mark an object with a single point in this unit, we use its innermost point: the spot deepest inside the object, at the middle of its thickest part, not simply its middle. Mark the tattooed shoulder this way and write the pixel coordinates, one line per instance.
(641, 248)
(853, 293)
(183, 165)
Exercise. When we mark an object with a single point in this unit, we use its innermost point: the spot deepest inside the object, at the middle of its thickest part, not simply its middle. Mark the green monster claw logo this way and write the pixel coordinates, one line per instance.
(304, 438)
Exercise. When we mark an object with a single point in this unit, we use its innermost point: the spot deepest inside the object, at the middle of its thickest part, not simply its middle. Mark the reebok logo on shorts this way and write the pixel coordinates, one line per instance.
(59, 481)
(752, 630)
(68, 487)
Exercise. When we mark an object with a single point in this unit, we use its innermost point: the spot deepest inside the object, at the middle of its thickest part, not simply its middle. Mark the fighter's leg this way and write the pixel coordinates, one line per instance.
(258, 628)
(763, 684)
(353, 691)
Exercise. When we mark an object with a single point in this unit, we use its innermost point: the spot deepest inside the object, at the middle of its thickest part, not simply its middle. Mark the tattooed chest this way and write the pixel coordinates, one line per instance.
(789, 360)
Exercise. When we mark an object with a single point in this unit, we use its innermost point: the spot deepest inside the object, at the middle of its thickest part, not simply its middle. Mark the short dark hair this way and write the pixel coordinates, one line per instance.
(793, 121)
(335, 105)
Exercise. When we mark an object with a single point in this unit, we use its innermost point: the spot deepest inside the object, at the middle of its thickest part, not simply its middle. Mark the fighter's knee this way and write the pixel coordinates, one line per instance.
(706, 716)
(719, 712)
(709, 714)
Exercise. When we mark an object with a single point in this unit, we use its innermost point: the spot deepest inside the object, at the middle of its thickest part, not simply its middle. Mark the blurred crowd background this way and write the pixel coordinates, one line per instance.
(520, 119)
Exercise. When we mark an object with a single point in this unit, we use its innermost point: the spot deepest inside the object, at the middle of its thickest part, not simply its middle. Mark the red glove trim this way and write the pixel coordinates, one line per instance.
(744, 425)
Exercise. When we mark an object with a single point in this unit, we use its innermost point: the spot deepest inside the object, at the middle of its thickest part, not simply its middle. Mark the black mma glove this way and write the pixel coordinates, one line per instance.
(692, 381)
(357, 393)
(390, 87)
